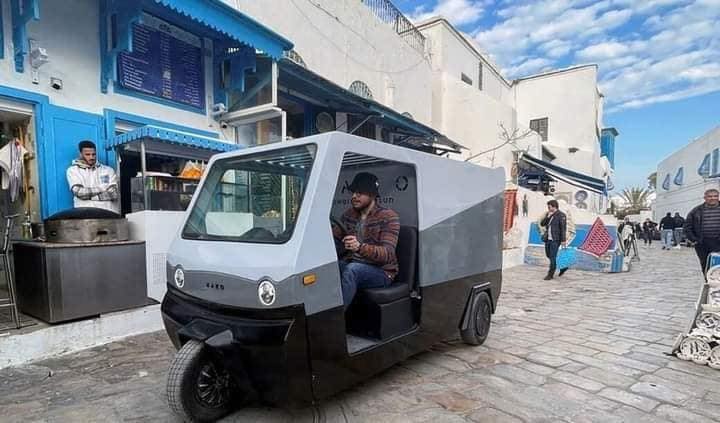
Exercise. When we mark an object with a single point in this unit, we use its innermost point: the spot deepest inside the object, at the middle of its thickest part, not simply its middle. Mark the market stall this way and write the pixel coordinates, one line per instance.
(159, 170)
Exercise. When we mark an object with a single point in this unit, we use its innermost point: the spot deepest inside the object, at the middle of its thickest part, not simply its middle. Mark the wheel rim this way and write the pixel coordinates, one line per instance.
(213, 385)
(482, 319)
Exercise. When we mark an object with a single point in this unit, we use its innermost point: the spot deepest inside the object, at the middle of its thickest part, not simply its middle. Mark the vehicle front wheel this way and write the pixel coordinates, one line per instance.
(479, 323)
(199, 389)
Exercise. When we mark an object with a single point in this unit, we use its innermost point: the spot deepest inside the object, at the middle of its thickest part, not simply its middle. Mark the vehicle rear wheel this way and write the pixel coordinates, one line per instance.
(479, 323)
(199, 389)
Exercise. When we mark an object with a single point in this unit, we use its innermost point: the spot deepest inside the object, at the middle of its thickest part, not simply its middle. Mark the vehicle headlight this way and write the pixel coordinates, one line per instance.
(266, 293)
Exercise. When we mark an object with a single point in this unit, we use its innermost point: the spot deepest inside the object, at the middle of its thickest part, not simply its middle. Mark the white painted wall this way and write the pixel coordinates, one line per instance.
(465, 113)
(683, 198)
(571, 102)
(343, 40)
(473, 119)
(451, 55)
(72, 42)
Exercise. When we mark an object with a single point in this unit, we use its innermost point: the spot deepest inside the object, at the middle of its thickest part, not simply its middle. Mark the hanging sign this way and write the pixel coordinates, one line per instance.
(166, 62)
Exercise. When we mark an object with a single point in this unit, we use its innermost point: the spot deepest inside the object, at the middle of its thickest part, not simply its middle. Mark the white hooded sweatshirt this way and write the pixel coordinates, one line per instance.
(93, 186)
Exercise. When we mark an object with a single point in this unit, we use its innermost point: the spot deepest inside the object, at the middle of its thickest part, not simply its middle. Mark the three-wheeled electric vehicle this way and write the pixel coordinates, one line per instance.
(254, 301)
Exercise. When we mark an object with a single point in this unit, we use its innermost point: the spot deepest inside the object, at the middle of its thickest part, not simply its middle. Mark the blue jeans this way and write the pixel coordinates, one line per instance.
(667, 238)
(355, 275)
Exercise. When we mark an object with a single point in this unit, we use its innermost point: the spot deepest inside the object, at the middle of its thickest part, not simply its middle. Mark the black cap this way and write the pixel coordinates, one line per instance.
(366, 183)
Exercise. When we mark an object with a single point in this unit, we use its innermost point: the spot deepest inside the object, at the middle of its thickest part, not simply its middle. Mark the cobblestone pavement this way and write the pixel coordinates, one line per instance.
(584, 348)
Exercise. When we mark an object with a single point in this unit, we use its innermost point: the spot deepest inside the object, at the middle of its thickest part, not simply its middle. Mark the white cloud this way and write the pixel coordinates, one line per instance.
(556, 48)
(529, 66)
(607, 50)
(672, 50)
(459, 12)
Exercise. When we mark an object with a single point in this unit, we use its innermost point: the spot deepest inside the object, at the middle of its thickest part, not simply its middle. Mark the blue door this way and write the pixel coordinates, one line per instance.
(65, 129)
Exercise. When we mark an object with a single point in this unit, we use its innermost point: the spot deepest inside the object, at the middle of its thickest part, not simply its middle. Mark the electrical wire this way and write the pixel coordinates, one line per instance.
(342, 49)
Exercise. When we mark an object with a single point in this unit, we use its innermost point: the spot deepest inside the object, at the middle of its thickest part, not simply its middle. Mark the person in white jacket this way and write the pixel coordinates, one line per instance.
(92, 183)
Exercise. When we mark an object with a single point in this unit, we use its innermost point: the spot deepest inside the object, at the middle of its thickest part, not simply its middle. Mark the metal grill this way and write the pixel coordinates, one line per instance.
(389, 14)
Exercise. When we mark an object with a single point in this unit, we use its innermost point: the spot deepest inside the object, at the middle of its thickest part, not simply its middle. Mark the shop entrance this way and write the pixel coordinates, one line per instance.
(18, 196)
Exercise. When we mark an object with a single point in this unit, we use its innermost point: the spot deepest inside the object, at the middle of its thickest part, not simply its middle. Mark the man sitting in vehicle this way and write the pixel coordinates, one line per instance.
(369, 236)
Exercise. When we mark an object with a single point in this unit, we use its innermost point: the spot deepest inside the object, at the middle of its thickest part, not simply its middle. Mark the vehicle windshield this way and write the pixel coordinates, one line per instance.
(253, 198)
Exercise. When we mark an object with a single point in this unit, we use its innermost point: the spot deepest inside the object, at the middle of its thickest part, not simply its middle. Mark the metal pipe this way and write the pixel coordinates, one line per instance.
(143, 165)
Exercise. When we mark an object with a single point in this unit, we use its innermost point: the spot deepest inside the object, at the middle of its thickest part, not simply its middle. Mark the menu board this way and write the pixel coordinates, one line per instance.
(166, 62)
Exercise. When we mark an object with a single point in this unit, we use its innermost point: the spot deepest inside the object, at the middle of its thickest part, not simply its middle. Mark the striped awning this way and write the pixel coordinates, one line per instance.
(571, 177)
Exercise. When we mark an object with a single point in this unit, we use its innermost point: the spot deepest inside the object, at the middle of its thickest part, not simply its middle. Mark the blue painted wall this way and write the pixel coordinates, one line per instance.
(581, 232)
(607, 145)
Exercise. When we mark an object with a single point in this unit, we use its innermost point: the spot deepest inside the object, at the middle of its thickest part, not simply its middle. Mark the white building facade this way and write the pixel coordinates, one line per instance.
(474, 104)
(683, 177)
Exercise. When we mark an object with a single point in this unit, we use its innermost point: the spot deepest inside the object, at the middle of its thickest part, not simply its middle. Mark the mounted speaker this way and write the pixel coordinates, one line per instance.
(324, 122)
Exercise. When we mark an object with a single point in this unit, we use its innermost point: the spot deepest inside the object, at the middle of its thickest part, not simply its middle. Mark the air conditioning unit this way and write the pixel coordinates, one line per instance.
(324, 122)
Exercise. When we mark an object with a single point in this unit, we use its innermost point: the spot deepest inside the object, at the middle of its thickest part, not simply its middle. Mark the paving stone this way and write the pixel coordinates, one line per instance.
(605, 365)
(693, 368)
(569, 392)
(627, 362)
(536, 368)
(680, 415)
(573, 348)
(637, 401)
(648, 358)
(690, 391)
(606, 377)
(663, 393)
(518, 374)
(705, 408)
(547, 359)
(579, 381)
(484, 415)
(538, 365)
(454, 401)
(572, 367)
(633, 415)
(689, 379)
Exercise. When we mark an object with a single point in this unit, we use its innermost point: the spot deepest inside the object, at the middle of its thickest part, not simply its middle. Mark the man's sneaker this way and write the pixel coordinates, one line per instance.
(562, 271)
(548, 277)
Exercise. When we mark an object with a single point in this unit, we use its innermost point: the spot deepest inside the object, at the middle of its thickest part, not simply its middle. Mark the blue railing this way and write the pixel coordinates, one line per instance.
(389, 14)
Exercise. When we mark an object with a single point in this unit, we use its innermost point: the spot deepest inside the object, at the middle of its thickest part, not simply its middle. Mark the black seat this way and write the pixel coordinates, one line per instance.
(406, 252)
(386, 312)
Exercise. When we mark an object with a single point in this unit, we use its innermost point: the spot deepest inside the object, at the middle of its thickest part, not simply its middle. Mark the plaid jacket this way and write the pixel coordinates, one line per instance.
(378, 239)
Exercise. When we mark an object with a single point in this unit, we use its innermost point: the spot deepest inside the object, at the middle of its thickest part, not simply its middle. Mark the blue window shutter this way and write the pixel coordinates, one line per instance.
(704, 169)
(679, 177)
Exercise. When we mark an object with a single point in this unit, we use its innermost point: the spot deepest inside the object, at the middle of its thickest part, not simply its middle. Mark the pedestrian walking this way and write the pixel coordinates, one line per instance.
(678, 231)
(525, 205)
(648, 229)
(702, 226)
(667, 226)
(553, 225)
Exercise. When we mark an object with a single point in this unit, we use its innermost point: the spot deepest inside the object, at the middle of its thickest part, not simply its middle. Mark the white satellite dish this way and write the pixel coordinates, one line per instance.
(324, 122)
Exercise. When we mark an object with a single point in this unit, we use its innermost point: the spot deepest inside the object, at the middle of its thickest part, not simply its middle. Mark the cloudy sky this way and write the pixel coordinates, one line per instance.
(659, 60)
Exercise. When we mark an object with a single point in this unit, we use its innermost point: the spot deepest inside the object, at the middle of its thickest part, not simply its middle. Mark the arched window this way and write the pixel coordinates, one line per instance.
(295, 57)
(360, 88)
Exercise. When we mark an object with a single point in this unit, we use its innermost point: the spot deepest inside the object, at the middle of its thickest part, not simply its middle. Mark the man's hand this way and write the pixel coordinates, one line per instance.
(564, 244)
(351, 243)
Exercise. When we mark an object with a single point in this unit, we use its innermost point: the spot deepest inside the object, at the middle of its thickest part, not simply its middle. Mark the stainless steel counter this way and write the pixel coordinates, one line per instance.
(65, 281)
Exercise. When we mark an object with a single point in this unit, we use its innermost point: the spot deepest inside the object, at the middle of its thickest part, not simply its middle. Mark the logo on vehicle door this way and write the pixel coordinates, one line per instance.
(179, 277)
(266, 293)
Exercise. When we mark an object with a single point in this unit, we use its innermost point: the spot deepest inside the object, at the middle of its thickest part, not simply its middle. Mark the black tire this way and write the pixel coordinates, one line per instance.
(480, 318)
(198, 388)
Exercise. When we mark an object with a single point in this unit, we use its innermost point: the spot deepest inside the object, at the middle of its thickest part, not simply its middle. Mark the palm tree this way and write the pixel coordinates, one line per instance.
(636, 198)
